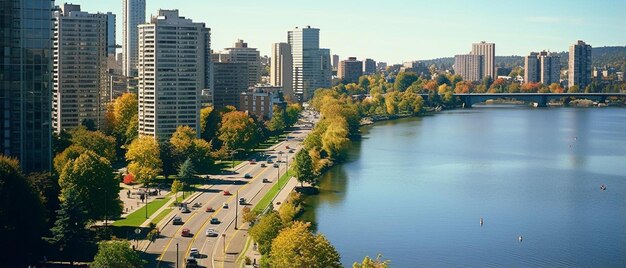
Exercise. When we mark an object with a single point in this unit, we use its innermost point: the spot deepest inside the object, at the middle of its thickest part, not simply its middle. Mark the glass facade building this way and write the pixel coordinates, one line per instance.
(25, 81)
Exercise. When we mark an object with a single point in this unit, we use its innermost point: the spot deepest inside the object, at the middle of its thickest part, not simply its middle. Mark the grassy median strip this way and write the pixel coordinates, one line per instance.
(139, 216)
(273, 192)
(162, 215)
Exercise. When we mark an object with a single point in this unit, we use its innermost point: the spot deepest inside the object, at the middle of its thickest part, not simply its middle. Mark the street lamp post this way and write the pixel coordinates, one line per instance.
(176, 255)
(147, 193)
(236, 207)
(224, 248)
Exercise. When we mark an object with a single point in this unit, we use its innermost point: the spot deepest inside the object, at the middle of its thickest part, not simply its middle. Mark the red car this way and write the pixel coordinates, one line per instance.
(226, 193)
(209, 209)
(186, 233)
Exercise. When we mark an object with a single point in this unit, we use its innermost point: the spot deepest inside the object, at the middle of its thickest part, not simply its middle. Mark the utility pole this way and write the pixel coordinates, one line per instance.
(224, 248)
(236, 207)
(176, 255)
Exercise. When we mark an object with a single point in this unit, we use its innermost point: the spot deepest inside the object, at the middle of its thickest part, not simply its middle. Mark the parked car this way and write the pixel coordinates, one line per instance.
(225, 205)
(211, 232)
(247, 176)
(215, 221)
(226, 192)
(275, 165)
(209, 209)
(186, 233)
(194, 253)
(191, 262)
(265, 180)
(177, 220)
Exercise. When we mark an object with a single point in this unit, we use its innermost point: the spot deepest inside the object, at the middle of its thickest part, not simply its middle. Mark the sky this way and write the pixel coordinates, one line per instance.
(400, 30)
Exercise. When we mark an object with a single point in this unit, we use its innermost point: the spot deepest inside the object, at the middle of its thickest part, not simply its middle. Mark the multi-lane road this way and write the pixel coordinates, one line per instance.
(172, 246)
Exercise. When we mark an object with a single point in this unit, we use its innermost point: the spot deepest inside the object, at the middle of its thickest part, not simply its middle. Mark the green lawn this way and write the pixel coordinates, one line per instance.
(162, 215)
(265, 201)
(138, 217)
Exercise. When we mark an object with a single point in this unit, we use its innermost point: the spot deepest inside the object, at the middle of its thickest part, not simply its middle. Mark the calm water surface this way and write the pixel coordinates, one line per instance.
(415, 190)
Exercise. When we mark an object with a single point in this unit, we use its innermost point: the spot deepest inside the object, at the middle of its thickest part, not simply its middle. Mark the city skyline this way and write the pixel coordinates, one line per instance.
(405, 31)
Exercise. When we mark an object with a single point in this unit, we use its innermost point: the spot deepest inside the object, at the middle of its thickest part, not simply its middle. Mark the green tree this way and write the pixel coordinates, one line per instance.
(372, 263)
(335, 139)
(291, 114)
(303, 167)
(186, 170)
(69, 233)
(404, 80)
(297, 246)
(184, 145)
(116, 253)
(265, 230)
(177, 187)
(209, 123)
(277, 124)
(143, 157)
(95, 141)
(238, 131)
(91, 176)
(22, 217)
(68, 155)
(47, 185)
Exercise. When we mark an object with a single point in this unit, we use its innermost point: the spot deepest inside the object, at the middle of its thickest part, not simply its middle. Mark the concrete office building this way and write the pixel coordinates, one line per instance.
(335, 59)
(469, 66)
(241, 53)
(542, 67)
(259, 101)
(80, 69)
(26, 82)
(174, 68)
(350, 70)
(229, 81)
(488, 51)
(134, 12)
(281, 68)
(111, 46)
(369, 66)
(312, 66)
(579, 65)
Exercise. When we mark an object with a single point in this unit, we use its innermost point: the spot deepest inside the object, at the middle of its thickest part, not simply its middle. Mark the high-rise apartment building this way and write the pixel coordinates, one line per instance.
(111, 46)
(542, 67)
(230, 79)
(281, 68)
(469, 66)
(335, 62)
(312, 66)
(350, 70)
(369, 66)
(579, 71)
(241, 53)
(174, 68)
(26, 82)
(134, 14)
(488, 51)
(79, 89)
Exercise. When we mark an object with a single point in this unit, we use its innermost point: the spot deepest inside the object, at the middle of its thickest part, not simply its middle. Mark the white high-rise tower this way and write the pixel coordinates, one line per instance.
(134, 15)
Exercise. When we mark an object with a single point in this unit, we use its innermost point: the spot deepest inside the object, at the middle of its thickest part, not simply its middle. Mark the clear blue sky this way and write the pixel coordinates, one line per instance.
(401, 30)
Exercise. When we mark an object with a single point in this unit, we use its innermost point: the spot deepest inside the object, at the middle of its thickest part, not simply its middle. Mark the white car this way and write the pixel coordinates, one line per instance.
(211, 232)
(194, 252)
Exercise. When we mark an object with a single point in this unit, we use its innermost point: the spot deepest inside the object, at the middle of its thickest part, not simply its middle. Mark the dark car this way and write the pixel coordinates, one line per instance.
(263, 165)
(265, 180)
(177, 220)
(242, 201)
(191, 262)
(269, 161)
(185, 210)
(215, 221)
(276, 165)
(247, 176)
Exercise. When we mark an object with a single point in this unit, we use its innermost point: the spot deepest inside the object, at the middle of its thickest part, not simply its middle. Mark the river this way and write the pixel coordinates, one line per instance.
(415, 190)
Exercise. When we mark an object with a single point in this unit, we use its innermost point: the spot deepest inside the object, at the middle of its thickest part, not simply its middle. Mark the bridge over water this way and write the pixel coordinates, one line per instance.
(541, 99)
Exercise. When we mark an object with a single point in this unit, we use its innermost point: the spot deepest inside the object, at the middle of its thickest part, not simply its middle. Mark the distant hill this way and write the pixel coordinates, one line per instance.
(601, 56)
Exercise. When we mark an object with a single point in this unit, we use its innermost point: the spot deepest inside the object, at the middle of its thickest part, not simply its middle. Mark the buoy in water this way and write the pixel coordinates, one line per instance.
(520, 238)
(481, 221)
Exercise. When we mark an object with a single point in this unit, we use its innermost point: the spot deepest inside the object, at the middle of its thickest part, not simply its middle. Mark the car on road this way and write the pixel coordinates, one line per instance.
(265, 180)
(263, 165)
(194, 253)
(287, 147)
(209, 209)
(226, 192)
(269, 161)
(185, 210)
(215, 221)
(291, 151)
(275, 165)
(177, 220)
(252, 161)
(211, 232)
(225, 205)
(242, 201)
(191, 262)
(186, 233)
(247, 176)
